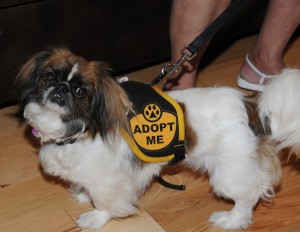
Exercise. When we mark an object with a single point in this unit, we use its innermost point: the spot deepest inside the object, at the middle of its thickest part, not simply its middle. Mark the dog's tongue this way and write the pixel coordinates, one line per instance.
(35, 132)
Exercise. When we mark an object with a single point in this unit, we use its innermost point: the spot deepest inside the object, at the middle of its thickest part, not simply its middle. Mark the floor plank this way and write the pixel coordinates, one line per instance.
(35, 205)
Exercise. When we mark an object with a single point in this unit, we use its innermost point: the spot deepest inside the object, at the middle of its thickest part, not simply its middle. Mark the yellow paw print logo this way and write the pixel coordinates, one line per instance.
(152, 112)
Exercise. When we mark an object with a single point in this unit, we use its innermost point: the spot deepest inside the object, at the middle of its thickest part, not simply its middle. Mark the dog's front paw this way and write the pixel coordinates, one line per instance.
(230, 221)
(94, 219)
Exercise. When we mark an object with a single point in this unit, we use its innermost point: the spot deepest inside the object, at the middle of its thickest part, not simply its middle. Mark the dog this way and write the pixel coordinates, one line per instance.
(78, 111)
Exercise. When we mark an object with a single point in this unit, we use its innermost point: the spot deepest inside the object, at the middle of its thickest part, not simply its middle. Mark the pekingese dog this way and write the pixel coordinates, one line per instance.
(78, 111)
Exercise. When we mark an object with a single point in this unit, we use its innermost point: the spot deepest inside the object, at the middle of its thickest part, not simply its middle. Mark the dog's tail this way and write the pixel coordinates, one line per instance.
(275, 118)
(279, 107)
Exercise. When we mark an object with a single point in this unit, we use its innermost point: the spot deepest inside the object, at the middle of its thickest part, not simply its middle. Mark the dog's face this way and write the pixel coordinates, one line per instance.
(64, 96)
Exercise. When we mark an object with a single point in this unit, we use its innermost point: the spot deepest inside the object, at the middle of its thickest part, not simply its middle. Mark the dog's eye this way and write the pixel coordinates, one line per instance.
(81, 92)
(49, 76)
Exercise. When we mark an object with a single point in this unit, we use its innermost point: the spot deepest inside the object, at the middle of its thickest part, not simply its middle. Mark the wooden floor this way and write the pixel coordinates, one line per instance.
(31, 202)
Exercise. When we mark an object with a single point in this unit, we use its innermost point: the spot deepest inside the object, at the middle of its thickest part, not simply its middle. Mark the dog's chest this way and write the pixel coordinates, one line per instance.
(84, 159)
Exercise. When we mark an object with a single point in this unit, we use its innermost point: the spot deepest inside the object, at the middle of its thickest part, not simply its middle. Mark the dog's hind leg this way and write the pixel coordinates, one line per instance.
(240, 217)
(236, 178)
(244, 192)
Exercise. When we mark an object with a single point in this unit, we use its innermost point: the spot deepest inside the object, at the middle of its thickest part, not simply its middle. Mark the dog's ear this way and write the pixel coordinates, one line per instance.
(28, 76)
(110, 103)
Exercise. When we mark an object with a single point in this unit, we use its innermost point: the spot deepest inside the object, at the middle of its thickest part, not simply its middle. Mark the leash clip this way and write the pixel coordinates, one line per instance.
(168, 69)
(186, 54)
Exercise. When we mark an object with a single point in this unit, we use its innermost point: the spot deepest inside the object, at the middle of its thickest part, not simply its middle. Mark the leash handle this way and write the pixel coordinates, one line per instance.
(191, 50)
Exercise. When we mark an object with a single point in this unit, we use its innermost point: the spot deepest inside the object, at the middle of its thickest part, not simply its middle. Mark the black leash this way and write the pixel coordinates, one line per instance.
(191, 50)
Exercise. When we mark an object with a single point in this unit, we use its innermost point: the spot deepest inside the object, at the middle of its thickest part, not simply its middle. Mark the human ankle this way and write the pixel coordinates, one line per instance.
(266, 63)
(260, 68)
(249, 74)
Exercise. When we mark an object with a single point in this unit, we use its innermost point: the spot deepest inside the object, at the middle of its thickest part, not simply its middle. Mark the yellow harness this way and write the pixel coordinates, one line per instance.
(157, 127)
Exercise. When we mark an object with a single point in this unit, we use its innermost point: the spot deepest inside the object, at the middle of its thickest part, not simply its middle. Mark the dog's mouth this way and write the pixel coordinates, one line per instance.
(58, 99)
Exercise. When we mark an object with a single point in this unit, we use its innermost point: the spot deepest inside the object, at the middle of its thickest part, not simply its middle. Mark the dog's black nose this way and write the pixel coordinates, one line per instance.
(62, 87)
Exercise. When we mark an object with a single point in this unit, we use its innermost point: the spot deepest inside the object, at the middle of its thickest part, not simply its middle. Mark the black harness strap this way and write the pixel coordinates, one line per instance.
(169, 185)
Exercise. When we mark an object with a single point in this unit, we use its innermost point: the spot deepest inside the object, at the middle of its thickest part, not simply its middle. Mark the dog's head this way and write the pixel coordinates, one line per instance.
(64, 96)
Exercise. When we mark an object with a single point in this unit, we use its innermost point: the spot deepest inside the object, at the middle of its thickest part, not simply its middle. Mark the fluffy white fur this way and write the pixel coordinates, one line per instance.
(104, 172)
(47, 121)
(226, 149)
(281, 104)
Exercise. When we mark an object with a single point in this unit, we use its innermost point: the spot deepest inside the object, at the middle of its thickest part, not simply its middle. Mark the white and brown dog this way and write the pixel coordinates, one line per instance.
(77, 110)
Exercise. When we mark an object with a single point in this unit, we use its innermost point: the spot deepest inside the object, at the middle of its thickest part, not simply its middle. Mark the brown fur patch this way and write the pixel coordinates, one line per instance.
(269, 160)
(255, 123)
(191, 139)
(25, 72)
(62, 57)
(117, 105)
(294, 150)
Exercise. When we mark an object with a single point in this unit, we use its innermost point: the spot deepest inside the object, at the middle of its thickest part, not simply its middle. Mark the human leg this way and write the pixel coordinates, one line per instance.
(281, 20)
(188, 19)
